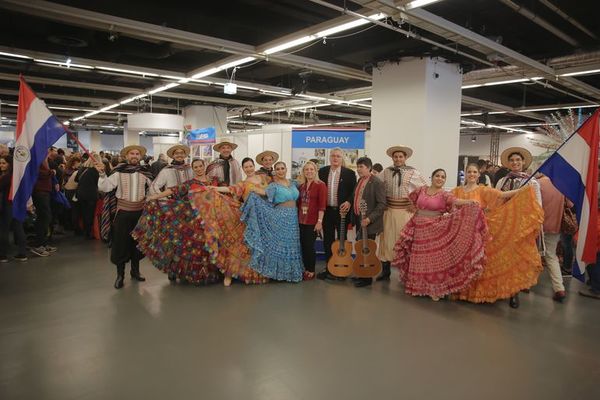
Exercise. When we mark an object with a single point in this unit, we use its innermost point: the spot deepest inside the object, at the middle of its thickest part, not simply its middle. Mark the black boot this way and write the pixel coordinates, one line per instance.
(120, 276)
(135, 272)
(172, 276)
(514, 301)
(385, 272)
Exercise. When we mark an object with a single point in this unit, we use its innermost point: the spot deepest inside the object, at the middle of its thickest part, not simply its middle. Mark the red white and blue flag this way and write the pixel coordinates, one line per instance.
(37, 131)
(573, 169)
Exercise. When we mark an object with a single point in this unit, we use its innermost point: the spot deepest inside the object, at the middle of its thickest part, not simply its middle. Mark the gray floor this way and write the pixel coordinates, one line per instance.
(65, 333)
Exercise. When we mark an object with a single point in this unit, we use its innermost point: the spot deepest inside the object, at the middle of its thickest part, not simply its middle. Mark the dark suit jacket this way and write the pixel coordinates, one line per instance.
(374, 195)
(346, 185)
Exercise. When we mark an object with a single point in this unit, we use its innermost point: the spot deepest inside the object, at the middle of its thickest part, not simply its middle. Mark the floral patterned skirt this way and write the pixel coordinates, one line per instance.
(273, 236)
(441, 255)
(173, 238)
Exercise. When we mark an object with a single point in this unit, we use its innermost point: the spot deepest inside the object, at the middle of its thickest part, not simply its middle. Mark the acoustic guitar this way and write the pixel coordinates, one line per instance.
(340, 263)
(366, 264)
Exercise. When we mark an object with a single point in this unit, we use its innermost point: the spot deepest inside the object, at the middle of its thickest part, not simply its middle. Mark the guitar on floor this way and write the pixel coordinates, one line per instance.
(366, 264)
(340, 263)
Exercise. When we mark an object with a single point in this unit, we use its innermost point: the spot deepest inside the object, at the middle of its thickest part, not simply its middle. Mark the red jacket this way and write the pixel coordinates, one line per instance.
(44, 182)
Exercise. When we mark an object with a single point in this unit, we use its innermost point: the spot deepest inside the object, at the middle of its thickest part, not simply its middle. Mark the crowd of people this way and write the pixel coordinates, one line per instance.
(199, 222)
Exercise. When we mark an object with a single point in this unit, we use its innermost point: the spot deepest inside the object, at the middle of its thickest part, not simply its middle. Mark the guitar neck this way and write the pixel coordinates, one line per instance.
(342, 230)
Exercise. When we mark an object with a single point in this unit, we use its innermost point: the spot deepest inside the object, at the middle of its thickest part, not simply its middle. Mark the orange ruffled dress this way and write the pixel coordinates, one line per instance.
(513, 262)
(221, 218)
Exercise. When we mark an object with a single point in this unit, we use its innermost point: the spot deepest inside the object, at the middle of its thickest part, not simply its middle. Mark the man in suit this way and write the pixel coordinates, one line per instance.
(371, 190)
(340, 183)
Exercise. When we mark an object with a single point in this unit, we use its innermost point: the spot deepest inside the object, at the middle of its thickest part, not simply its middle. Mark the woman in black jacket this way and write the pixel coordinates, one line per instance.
(87, 194)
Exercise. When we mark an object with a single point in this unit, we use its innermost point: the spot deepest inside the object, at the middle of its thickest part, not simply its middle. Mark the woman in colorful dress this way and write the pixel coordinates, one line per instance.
(441, 249)
(517, 160)
(173, 235)
(311, 208)
(224, 212)
(510, 251)
(272, 231)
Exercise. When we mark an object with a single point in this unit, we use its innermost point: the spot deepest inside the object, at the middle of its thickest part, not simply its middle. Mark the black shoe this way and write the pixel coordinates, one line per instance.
(172, 276)
(383, 278)
(119, 282)
(325, 275)
(138, 277)
(514, 301)
(363, 282)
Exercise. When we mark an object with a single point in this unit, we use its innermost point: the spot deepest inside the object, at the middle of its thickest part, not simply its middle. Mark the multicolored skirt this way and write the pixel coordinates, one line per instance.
(513, 260)
(273, 236)
(221, 219)
(173, 238)
(441, 255)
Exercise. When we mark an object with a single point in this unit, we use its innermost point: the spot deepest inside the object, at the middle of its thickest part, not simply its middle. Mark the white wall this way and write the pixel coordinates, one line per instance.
(481, 146)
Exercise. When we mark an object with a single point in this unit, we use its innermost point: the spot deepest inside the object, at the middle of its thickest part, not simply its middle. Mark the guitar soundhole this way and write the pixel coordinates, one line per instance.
(366, 250)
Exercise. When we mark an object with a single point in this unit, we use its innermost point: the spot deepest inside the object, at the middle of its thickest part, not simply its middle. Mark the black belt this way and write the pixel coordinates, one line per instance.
(332, 207)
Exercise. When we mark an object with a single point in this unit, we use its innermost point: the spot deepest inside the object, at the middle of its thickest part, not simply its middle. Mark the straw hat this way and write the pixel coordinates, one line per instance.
(183, 147)
(406, 150)
(527, 157)
(261, 156)
(127, 149)
(217, 147)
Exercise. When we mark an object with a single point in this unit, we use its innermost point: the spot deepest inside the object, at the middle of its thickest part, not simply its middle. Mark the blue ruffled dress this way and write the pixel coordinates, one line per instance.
(273, 235)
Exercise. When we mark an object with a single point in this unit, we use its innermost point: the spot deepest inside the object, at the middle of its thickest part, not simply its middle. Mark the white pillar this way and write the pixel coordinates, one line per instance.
(416, 103)
(130, 136)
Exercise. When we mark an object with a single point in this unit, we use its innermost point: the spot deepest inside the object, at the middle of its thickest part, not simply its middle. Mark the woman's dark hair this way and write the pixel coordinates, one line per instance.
(378, 167)
(198, 160)
(245, 160)
(438, 170)
(9, 160)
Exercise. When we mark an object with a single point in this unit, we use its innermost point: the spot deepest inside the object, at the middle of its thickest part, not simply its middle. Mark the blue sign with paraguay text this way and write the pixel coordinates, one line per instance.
(202, 135)
(328, 139)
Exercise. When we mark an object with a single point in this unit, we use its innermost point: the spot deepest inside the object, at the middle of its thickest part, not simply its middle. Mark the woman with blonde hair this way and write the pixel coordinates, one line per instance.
(311, 208)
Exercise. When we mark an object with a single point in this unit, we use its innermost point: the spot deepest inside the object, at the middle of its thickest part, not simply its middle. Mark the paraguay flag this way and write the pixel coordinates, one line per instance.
(37, 130)
(573, 169)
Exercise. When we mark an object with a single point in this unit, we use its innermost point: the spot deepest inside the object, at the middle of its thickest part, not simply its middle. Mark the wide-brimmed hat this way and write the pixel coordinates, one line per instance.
(217, 147)
(183, 147)
(405, 149)
(526, 154)
(127, 149)
(261, 156)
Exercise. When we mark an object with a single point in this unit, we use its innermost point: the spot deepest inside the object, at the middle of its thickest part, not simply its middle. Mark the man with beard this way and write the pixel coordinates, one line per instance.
(131, 180)
(225, 168)
(399, 181)
(176, 173)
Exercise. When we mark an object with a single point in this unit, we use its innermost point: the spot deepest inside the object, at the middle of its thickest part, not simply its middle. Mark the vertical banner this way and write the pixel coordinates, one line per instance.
(201, 141)
(72, 142)
(315, 144)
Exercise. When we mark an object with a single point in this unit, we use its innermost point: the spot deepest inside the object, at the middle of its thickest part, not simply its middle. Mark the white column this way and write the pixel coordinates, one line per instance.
(130, 136)
(197, 117)
(96, 141)
(416, 103)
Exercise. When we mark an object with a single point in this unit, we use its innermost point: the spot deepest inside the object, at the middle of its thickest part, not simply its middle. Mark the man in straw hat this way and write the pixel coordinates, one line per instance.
(176, 173)
(399, 180)
(226, 168)
(266, 159)
(131, 180)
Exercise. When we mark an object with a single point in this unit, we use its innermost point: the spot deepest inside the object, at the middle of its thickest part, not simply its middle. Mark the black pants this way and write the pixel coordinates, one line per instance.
(124, 248)
(87, 208)
(331, 226)
(6, 224)
(43, 216)
(308, 236)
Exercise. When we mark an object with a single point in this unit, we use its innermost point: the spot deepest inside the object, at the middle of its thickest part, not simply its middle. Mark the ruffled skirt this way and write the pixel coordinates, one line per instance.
(221, 218)
(273, 236)
(172, 236)
(441, 255)
(513, 260)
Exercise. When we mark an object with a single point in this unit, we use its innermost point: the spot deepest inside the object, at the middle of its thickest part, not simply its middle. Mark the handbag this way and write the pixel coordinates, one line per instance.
(568, 224)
